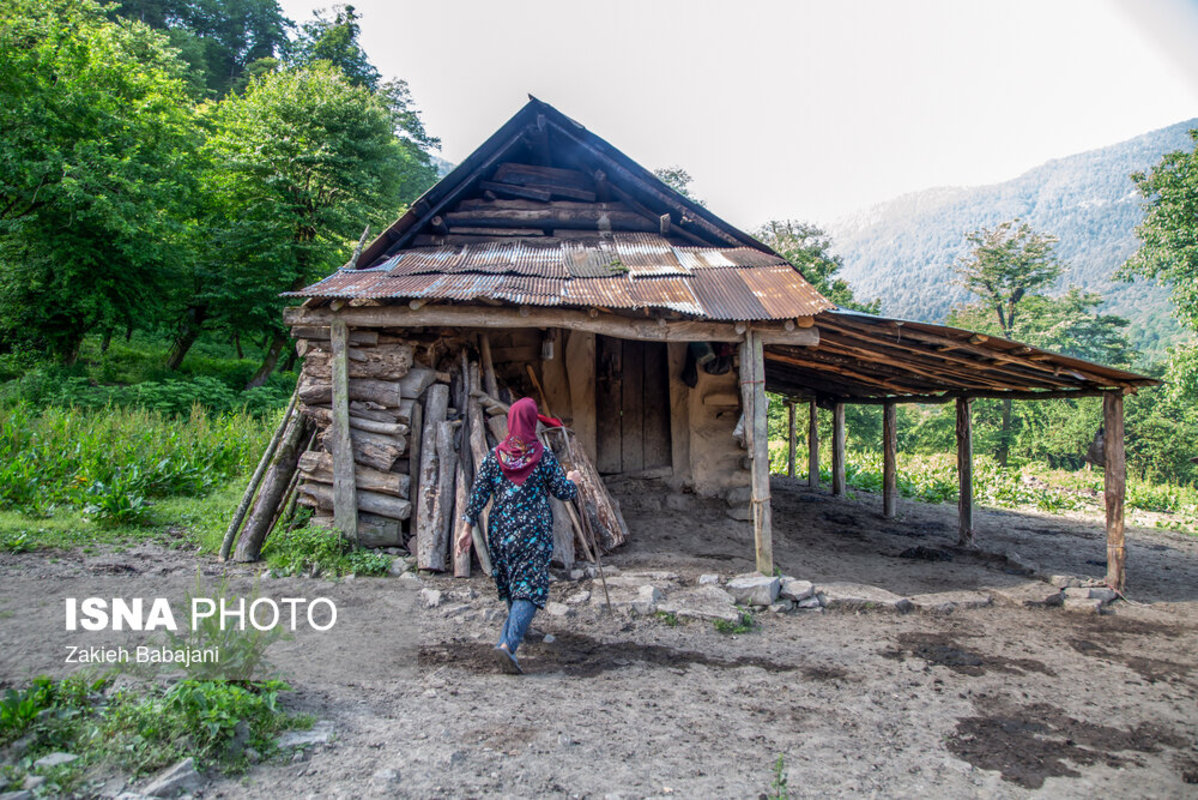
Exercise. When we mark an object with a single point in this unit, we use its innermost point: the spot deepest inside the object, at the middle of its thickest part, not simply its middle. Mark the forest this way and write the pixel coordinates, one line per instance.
(169, 167)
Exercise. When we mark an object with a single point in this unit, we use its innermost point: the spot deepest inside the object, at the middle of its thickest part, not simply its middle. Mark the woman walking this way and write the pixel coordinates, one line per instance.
(521, 474)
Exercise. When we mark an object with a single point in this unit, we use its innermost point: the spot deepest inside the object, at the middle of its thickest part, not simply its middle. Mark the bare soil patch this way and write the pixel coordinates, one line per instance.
(997, 701)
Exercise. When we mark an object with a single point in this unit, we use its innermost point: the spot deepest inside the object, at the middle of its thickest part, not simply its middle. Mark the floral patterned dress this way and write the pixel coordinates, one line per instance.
(521, 525)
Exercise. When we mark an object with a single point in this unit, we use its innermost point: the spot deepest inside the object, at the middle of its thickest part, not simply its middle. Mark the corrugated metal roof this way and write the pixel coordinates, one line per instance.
(626, 271)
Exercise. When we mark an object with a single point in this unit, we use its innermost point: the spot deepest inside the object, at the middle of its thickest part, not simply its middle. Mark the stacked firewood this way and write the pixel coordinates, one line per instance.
(424, 411)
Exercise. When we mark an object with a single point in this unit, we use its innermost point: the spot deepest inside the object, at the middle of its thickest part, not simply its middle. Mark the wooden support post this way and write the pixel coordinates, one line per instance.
(752, 386)
(790, 438)
(1114, 481)
(345, 497)
(838, 449)
(813, 446)
(965, 472)
(427, 525)
(889, 460)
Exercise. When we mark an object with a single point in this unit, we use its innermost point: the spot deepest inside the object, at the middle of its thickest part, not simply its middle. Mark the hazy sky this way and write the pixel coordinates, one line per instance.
(807, 110)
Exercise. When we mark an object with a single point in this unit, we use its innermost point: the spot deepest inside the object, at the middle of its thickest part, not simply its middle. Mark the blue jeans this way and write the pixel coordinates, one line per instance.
(519, 617)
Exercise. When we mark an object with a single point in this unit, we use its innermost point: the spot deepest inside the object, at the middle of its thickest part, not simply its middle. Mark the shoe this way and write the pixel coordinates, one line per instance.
(506, 661)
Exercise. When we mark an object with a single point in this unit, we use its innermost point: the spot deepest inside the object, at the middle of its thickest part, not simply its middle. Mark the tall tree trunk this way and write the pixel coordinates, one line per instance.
(190, 329)
(1004, 441)
(106, 341)
(237, 345)
(277, 341)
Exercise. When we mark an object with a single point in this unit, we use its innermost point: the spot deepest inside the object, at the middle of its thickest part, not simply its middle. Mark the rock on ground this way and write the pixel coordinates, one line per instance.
(859, 597)
(754, 589)
(182, 777)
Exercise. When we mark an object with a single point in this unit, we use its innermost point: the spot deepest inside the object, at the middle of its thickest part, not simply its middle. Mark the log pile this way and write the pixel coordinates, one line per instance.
(423, 411)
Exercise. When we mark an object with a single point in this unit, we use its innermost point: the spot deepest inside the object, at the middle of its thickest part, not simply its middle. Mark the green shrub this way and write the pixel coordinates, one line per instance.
(318, 550)
(744, 624)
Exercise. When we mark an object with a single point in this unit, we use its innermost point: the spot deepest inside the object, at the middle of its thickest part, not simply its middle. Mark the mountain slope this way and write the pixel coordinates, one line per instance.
(903, 250)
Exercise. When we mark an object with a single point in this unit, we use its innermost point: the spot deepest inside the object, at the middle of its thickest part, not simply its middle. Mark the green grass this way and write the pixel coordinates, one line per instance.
(744, 624)
(320, 551)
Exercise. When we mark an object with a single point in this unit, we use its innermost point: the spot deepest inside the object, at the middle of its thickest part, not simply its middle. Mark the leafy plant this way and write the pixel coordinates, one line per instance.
(778, 787)
(318, 550)
(744, 624)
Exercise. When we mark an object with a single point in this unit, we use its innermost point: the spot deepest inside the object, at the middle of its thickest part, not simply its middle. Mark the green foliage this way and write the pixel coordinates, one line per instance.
(744, 624)
(679, 180)
(98, 138)
(809, 248)
(669, 618)
(111, 461)
(778, 787)
(1006, 264)
(51, 707)
(1168, 235)
(317, 550)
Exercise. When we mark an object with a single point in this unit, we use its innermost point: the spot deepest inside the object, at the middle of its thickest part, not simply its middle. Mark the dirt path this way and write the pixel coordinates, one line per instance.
(997, 701)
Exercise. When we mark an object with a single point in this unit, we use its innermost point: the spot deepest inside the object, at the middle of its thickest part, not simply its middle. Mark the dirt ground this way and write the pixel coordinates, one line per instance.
(1003, 700)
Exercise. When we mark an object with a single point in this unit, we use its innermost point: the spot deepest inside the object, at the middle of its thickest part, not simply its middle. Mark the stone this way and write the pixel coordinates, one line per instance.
(809, 603)
(947, 602)
(795, 589)
(430, 598)
(182, 777)
(549, 638)
(555, 609)
(31, 782)
(861, 597)
(320, 733)
(653, 575)
(54, 760)
(703, 602)
(782, 606)
(709, 580)
(1084, 605)
(648, 596)
(1064, 581)
(754, 589)
(384, 778)
(22, 794)
(577, 574)
(740, 513)
(1030, 593)
(397, 567)
(578, 598)
(740, 496)
(410, 577)
(1103, 593)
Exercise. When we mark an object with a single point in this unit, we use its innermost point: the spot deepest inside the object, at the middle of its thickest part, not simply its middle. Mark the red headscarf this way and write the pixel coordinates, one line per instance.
(521, 451)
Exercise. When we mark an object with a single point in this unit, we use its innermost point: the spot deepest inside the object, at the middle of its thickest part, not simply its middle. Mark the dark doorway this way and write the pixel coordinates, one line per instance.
(633, 404)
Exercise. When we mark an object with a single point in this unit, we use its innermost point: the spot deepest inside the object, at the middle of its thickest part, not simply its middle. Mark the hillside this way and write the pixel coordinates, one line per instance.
(902, 250)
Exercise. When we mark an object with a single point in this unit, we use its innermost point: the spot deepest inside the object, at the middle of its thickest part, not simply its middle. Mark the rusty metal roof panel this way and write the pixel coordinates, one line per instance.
(723, 294)
(589, 258)
(530, 290)
(647, 254)
(670, 292)
(693, 258)
(603, 292)
(784, 292)
(426, 259)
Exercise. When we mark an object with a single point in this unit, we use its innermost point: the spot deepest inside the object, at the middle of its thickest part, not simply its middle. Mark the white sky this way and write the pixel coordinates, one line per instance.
(803, 109)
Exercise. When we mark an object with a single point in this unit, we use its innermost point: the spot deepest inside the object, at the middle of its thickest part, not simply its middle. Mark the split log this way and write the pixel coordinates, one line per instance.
(444, 499)
(426, 501)
(377, 531)
(320, 495)
(391, 362)
(365, 409)
(324, 417)
(274, 486)
(317, 466)
(370, 449)
(492, 406)
(478, 449)
(461, 559)
(563, 534)
(390, 394)
(608, 525)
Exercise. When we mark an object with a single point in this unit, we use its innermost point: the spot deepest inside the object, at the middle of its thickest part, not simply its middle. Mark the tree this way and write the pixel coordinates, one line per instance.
(335, 40)
(97, 138)
(221, 40)
(299, 164)
(1169, 233)
(809, 248)
(679, 180)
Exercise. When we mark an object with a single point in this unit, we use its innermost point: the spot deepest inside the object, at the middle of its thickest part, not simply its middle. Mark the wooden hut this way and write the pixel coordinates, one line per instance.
(550, 262)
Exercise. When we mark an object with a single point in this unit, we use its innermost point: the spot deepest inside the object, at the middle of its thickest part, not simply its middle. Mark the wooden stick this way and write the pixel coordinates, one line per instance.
(274, 487)
(248, 497)
(541, 392)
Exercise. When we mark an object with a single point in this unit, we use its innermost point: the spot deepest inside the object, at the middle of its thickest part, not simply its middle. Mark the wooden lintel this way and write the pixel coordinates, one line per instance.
(649, 330)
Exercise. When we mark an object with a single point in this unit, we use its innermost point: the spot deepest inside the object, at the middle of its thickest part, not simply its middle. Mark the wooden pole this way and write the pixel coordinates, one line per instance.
(235, 524)
(838, 449)
(435, 405)
(1114, 481)
(965, 472)
(274, 488)
(813, 445)
(790, 438)
(889, 460)
(752, 386)
(345, 498)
